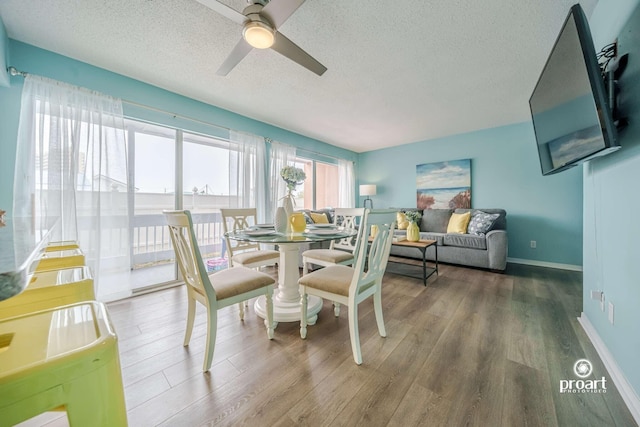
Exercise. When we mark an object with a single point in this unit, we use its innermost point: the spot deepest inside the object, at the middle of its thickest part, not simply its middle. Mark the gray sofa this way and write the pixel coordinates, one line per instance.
(485, 251)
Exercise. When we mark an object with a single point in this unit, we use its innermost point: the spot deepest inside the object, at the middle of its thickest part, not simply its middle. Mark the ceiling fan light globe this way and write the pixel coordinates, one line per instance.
(258, 35)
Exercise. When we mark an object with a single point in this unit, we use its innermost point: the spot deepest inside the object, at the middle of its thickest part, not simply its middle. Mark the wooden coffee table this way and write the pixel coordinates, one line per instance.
(404, 268)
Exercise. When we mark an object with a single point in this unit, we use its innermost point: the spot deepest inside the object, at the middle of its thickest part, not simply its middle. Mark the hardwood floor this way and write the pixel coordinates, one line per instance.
(472, 348)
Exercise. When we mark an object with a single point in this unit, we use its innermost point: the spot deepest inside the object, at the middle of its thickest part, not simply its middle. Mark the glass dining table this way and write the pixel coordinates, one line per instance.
(286, 300)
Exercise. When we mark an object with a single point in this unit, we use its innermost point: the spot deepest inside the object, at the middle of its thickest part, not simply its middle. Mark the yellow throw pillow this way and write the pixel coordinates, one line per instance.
(319, 218)
(401, 219)
(458, 223)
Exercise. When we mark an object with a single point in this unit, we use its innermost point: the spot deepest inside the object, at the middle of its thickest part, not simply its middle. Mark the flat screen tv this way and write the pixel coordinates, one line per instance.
(569, 108)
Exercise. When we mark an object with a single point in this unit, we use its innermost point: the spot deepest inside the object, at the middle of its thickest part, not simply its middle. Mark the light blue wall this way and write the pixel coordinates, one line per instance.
(4, 55)
(45, 63)
(505, 173)
(612, 204)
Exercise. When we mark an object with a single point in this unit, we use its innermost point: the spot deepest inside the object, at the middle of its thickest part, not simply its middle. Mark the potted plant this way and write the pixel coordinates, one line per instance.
(293, 177)
(413, 230)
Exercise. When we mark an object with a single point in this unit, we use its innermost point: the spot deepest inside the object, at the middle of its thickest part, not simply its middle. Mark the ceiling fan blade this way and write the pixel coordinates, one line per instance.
(278, 11)
(237, 54)
(287, 48)
(224, 10)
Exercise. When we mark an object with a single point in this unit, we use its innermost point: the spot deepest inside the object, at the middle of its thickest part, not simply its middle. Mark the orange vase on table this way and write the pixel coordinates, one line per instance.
(297, 221)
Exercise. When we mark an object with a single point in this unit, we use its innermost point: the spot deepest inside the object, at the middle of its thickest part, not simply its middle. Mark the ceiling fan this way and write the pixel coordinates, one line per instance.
(260, 21)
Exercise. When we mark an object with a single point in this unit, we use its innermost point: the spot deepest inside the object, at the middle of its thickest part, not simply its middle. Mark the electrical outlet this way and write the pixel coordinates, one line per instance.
(598, 296)
(610, 312)
(533, 244)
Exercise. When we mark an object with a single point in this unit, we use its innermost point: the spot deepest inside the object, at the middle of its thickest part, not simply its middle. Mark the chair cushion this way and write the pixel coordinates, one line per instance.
(335, 279)
(328, 255)
(251, 257)
(238, 280)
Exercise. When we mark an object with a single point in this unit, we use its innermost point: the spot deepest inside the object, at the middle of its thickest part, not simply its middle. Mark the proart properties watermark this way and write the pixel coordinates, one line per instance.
(583, 369)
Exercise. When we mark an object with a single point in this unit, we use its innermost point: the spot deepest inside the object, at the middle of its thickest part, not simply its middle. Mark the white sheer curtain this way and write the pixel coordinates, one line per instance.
(281, 155)
(71, 169)
(346, 184)
(247, 173)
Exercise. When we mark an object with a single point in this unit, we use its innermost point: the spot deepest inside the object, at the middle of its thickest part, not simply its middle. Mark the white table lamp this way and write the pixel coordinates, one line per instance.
(368, 190)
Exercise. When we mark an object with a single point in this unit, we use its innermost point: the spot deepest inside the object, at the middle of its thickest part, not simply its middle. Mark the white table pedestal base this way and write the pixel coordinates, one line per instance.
(289, 311)
(286, 298)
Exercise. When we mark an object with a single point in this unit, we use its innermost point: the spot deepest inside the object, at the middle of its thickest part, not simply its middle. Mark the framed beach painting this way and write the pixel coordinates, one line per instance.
(444, 185)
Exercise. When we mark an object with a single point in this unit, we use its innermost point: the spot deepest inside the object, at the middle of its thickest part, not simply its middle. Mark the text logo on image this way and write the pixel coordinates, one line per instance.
(583, 369)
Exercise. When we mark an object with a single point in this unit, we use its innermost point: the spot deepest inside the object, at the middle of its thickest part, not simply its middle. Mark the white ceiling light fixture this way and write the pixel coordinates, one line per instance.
(260, 22)
(258, 35)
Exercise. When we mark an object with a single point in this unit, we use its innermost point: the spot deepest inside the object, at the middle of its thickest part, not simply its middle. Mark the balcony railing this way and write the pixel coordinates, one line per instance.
(147, 230)
(152, 243)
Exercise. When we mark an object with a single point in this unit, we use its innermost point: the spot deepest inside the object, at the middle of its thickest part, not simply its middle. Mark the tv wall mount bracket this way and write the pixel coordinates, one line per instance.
(612, 69)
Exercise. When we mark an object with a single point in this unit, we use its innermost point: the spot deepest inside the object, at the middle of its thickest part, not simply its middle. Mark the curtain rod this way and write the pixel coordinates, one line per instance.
(174, 115)
(15, 72)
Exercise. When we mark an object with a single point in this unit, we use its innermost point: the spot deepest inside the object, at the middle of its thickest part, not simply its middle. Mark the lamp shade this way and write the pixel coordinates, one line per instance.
(368, 190)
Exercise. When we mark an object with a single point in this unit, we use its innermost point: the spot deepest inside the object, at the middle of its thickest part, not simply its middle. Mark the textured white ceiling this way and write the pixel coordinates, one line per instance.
(398, 71)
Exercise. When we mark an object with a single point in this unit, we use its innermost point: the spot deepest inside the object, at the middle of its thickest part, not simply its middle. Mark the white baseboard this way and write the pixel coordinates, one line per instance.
(545, 264)
(626, 391)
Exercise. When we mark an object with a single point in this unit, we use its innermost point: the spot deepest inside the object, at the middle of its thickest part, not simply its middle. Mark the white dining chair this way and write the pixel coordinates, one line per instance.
(241, 253)
(352, 285)
(245, 254)
(216, 290)
(340, 252)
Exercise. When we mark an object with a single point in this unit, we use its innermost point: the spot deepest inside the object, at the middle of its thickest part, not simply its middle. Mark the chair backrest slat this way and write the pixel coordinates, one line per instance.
(187, 252)
(238, 219)
(370, 264)
(347, 218)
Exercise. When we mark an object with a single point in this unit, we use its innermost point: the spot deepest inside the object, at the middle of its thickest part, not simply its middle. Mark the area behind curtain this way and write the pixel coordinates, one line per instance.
(281, 155)
(246, 172)
(71, 171)
(346, 184)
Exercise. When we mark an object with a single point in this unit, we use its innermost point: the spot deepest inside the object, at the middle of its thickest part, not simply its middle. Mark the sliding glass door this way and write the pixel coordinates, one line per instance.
(206, 184)
(173, 169)
(152, 164)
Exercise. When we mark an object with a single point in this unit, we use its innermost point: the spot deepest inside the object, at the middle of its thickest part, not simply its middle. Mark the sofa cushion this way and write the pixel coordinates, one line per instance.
(465, 241)
(435, 220)
(327, 213)
(319, 218)
(406, 209)
(438, 237)
(458, 223)
(499, 224)
(481, 222)
(307, 217)
(401, 220)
